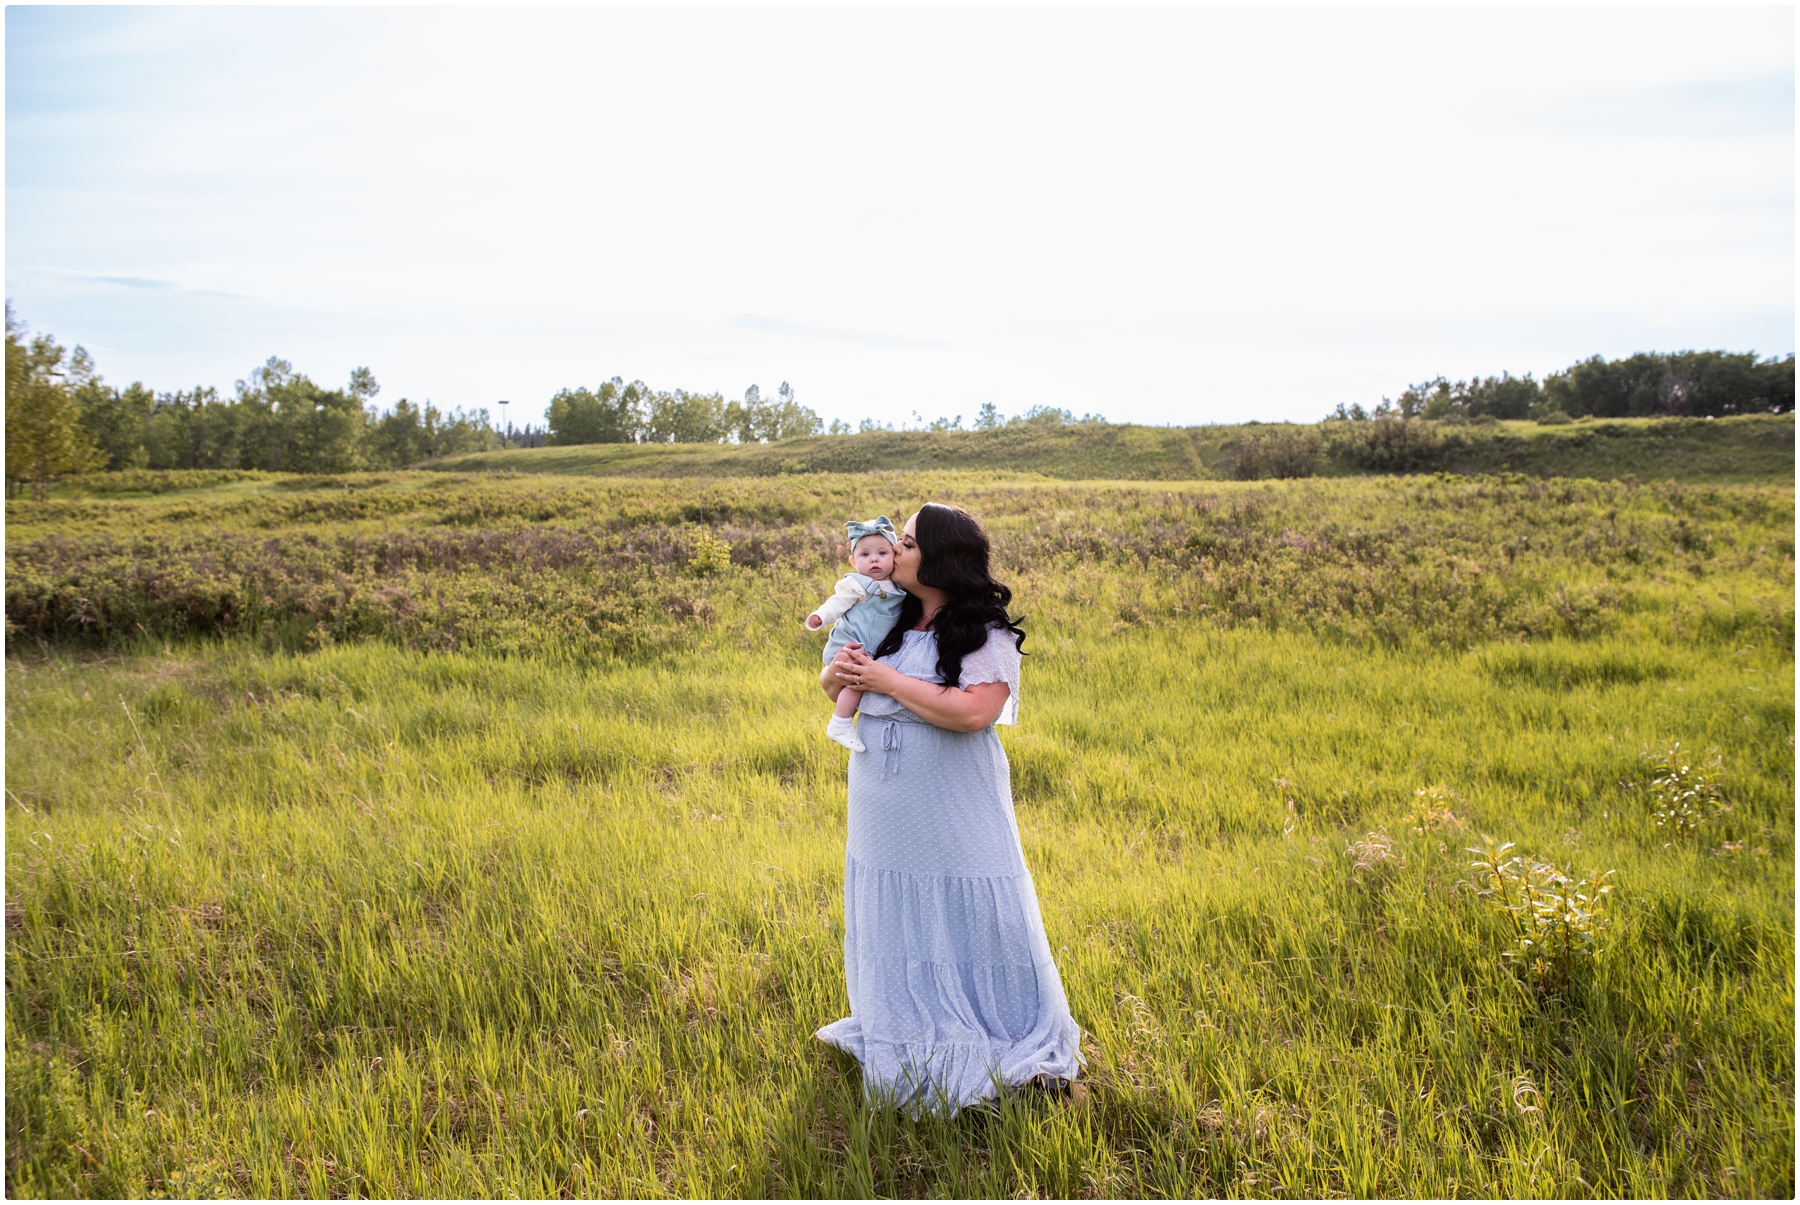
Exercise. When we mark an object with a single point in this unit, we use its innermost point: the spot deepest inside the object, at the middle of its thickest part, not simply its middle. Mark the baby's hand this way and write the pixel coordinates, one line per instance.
(814, 623)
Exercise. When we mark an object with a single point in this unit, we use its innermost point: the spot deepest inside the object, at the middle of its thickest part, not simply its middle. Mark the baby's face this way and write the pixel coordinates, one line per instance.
(873, 557)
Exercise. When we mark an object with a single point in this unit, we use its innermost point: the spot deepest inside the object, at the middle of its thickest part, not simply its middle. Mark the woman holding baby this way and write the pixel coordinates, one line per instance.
(954, 995)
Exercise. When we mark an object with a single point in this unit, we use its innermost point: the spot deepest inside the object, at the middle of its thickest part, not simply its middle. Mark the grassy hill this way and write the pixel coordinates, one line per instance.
(1750, 448)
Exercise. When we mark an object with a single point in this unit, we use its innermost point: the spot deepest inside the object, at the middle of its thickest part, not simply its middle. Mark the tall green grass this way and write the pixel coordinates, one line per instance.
(380, 920)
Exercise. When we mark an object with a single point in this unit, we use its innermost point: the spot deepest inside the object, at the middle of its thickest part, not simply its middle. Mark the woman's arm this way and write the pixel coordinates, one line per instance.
(955, 708)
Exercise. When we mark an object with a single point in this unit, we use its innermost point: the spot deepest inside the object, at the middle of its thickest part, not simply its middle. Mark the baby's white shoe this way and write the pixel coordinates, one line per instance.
(842, 729)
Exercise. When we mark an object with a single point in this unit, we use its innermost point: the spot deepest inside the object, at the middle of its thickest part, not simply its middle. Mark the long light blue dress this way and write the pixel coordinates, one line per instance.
(953, 991)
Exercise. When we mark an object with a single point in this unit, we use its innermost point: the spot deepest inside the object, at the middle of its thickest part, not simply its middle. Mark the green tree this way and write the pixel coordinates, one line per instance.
(1504, 396)
(757, 420)
(289, 424)
(399, 437)
(1648, 384)
(194, 430)
(612, 414)
(44, 436)
(1501, 397)
(1682, 383)
(328, 425)
(788, 419)
(408, 434)
(1435, 398)
(683, 418)
(117, 421)
(744, 420)
(457, 432)
(262, 441)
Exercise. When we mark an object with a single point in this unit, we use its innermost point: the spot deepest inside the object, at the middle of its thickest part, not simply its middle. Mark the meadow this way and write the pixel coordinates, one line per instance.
(1749, 449)
(469, 834)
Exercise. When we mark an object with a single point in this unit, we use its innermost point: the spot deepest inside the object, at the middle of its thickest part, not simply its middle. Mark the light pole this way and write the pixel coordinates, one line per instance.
(503, 404)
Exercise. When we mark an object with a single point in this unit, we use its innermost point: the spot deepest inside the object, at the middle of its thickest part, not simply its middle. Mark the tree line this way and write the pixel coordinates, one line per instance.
(620, 413)
(635, 413)
(1692, 384)
(62, 417)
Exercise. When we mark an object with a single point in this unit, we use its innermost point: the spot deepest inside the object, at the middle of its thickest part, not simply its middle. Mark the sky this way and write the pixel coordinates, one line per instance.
(1158, 215)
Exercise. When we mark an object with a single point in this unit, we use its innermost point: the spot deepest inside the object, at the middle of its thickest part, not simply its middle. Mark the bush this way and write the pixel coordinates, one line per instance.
(1285, 452)
(1685, 793)
(707, 554)
(1555, 917)
(1392, 445)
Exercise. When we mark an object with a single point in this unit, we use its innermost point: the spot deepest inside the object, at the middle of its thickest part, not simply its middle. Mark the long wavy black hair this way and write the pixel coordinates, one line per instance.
(955, 557)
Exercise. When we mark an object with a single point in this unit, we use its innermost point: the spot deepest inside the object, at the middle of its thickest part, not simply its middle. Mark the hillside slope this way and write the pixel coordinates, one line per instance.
(1750, 448)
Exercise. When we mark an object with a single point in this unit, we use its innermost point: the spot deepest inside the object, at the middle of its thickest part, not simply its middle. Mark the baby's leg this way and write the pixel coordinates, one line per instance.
(841, 728)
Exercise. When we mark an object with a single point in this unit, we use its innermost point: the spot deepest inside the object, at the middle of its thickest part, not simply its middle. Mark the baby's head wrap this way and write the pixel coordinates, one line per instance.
(880, 527)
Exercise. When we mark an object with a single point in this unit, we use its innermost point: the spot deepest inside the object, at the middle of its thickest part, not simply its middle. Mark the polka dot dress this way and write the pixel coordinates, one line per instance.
(953, 991)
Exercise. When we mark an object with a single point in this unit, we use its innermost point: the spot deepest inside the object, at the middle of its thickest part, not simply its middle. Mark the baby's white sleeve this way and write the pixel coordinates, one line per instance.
(849, 592)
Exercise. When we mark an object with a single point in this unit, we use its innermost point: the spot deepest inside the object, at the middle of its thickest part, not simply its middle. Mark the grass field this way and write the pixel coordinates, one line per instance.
(451, 835)
(1748, 449)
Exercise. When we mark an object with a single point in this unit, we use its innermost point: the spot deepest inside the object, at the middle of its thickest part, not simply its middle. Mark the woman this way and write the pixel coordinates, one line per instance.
(953, 993)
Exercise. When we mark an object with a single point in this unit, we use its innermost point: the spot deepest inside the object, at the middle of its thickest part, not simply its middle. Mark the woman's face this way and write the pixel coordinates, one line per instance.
(906, 558)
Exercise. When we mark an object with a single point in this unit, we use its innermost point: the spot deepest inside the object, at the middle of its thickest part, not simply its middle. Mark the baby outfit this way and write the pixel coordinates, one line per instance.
(863, 610)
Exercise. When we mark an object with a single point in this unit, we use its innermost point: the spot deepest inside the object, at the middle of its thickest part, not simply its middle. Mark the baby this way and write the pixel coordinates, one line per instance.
(863, 607)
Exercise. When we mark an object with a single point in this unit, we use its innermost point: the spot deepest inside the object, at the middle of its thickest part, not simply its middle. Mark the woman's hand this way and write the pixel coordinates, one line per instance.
(857, 669)
(839, 672)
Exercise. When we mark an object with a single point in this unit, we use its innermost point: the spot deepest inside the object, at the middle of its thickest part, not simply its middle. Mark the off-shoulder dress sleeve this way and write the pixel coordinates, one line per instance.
(996, 661)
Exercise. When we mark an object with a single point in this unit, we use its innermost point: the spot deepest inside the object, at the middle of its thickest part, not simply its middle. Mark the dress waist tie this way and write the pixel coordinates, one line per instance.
(890, 748)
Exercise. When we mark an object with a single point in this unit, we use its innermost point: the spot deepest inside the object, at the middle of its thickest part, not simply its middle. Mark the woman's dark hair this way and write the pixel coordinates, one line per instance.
(954, 556)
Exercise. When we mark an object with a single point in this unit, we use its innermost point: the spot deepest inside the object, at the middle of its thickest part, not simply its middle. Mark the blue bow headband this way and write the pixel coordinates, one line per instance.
(880, 527)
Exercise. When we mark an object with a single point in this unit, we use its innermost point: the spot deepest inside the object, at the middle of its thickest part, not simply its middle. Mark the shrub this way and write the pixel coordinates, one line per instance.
(1431, 810)
(1685, 795)
(1391, 445)
(707, 554)
(1285, 452)
(1554, 916)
